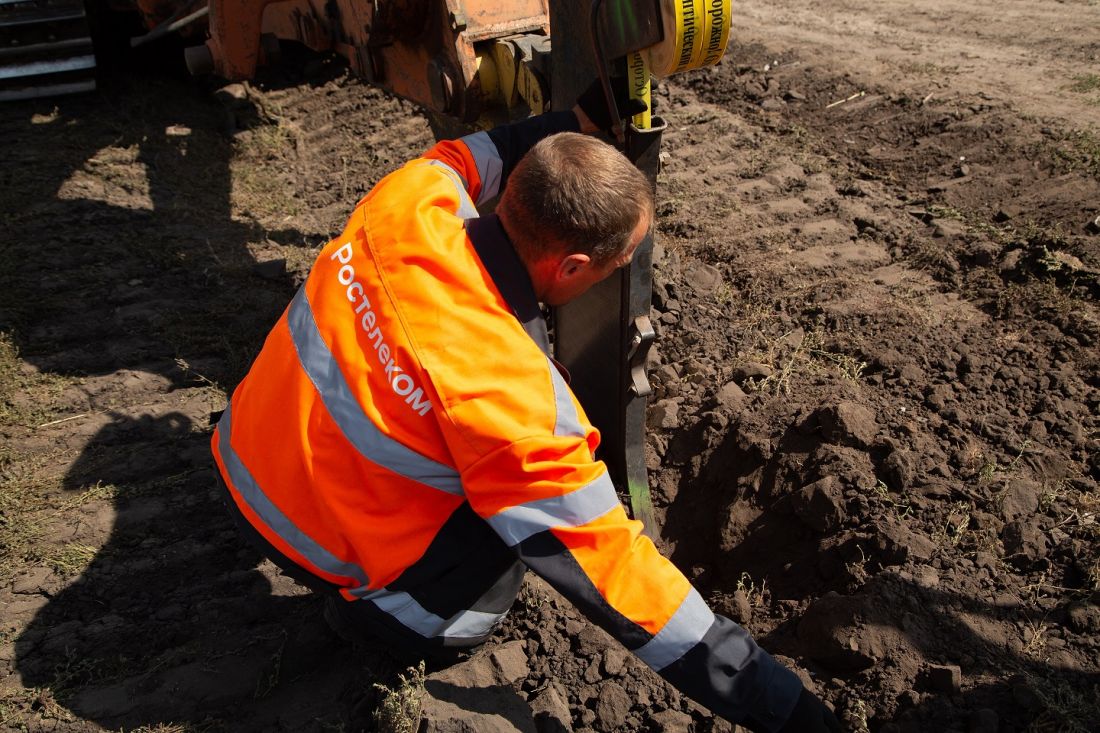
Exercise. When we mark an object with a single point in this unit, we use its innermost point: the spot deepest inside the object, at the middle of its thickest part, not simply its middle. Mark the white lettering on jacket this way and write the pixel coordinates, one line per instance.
(401, 383)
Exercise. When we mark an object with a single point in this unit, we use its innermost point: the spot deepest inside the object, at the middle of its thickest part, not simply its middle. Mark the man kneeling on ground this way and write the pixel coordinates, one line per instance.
(405, 444)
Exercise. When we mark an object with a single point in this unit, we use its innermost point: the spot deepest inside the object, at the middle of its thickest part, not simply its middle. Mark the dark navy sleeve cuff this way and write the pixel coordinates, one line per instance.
(728, 672)
(514, 140)
(770, 711)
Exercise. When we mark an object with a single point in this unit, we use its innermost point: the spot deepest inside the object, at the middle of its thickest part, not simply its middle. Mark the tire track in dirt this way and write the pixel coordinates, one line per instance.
(1026, 53)
(341, 137)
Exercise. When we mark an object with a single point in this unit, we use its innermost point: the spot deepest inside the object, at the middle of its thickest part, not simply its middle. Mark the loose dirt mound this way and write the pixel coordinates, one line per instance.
(873, 440)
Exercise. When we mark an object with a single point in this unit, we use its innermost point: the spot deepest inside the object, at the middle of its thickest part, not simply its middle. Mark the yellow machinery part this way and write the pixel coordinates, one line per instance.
(507, 80)
(531, 88)
(493, 74)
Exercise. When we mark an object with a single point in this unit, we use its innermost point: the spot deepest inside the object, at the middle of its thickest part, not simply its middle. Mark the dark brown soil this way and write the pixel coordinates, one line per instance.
(873, 440)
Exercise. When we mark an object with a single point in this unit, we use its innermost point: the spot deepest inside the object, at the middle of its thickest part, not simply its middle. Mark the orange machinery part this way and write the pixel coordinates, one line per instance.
(422, 50)
(155, 12)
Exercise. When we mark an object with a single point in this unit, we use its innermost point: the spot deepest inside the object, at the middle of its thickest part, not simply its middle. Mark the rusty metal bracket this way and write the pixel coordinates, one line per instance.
(642, 337)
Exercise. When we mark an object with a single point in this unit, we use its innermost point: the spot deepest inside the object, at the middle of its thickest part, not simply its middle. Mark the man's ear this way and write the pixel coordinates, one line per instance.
(572, 264)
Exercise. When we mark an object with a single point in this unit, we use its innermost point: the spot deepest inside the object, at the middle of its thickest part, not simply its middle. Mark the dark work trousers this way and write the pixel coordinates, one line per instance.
(364, 623)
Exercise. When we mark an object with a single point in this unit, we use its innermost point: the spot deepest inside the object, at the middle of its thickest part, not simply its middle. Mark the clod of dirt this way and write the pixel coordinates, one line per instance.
(479, 694)
(703, 278)
(509, 661)
(612, 707)
(897, 544)
(751, 370)
(742, 609)
(853, 632)
(731, 396)
(891, 360)
(820, 505)
(614, 659)
(671, 721)
(665, 414)
(1021, 498)
(1084, 616)
(852, 467)
(948, 228)
(589, 640)
(848, 423)
(900, 468)
(1025, 541)
(946, 678)
(984, 254)
(735, 606)
(828, 634)
(1011, 261)
(985, 721)
(551, 710)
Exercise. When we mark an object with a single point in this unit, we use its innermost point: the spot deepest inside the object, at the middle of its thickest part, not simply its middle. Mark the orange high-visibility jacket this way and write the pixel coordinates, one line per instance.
(401, 400)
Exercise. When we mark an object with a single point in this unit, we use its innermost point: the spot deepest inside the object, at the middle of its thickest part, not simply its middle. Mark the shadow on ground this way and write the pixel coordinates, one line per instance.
(127, 275)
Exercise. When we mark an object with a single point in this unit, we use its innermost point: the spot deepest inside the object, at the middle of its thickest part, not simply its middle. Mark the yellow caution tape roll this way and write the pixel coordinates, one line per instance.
(637, 74)
(696, 34)
(716, 34)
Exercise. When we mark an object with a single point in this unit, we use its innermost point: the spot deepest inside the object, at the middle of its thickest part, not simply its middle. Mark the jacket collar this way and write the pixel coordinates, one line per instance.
(504, 266)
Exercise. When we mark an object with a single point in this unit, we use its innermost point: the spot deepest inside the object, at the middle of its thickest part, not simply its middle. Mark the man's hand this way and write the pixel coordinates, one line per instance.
(811, 716)
(591, 107)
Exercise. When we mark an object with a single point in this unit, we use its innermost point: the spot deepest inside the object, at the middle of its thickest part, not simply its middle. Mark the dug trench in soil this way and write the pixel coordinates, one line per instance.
(873, 437)
(878, 391)
(873, 440)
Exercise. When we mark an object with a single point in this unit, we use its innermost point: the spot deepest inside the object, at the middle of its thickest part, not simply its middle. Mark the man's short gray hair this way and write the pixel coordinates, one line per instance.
(571, 194)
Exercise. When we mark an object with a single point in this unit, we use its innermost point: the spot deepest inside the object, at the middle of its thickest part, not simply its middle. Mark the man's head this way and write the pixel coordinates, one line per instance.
(575, 209)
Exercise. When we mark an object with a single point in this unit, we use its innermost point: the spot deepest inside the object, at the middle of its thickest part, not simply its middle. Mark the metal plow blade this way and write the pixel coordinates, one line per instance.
(45, 49)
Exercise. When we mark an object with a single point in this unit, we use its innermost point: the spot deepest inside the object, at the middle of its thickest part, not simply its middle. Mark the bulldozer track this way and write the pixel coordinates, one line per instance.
(45, 49)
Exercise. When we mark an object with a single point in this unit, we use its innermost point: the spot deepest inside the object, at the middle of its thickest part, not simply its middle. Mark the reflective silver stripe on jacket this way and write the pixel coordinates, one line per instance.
(685, 629)
(466, 208)
(405, 609)
(490, 166)
(568, 422)
(274, 518)
(587, 503)
(374, 445)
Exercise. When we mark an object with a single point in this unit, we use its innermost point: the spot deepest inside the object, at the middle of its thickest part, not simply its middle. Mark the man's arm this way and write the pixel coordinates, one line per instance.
(551, 502)
(706, 656)
(545, 495)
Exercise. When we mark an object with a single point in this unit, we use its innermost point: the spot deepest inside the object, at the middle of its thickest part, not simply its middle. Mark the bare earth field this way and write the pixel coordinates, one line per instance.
(874, 440)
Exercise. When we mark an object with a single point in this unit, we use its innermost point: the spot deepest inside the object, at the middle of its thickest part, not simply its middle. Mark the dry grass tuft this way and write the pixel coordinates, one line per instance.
(399, 707)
